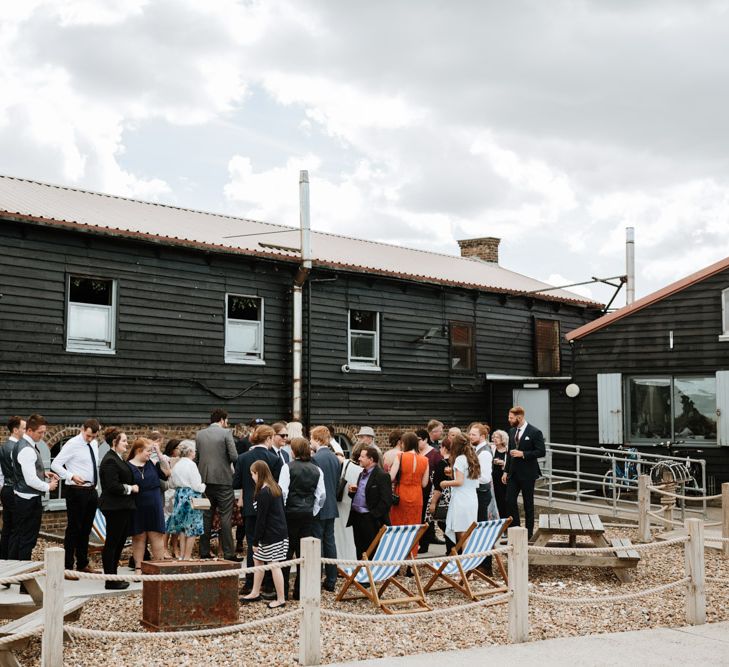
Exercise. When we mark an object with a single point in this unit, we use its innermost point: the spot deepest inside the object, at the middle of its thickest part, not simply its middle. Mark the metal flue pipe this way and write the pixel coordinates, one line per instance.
(630, 265)
(298, 289)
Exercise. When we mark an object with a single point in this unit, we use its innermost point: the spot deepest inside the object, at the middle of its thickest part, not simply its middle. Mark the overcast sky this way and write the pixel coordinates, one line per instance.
(553, 125)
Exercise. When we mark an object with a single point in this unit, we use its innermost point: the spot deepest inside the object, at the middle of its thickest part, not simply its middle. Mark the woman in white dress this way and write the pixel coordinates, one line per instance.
(343, 536)
(463, 507)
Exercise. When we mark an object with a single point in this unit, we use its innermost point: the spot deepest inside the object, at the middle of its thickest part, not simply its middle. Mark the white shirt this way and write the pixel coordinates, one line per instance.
(485, 460)
(186, 474)
(519, 433)
(75, 459)
(319, 495)
(27, 458)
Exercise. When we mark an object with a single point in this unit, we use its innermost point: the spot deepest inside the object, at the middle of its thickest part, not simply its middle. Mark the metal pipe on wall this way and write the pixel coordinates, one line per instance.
(299, 280)
(630, 265)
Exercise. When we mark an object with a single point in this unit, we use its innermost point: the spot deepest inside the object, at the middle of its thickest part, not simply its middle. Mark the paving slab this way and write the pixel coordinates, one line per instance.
(707, 644)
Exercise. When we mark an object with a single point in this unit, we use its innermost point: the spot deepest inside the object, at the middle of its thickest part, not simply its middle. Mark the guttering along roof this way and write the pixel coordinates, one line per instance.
(648, 300)
(56, 206)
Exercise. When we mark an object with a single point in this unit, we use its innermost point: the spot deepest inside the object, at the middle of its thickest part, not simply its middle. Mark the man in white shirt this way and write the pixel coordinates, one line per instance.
(30, 485)
(478, 434)
(78, 465)
(16, 427)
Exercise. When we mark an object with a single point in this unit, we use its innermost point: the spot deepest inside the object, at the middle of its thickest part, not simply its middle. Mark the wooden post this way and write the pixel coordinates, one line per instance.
(644, 506)
(52, 644)
(694, 561)
(725, 518)
(518, 586)
(310, 592)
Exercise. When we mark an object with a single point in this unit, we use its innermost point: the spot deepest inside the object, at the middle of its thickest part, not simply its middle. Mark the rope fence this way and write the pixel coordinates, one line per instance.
(20, 578)
(446, 611)
(577, 551)
(16, 637)
(669, 494)
(608, 599)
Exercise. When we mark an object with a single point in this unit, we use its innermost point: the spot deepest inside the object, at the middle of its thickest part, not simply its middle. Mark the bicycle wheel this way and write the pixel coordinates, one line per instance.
(611, 487)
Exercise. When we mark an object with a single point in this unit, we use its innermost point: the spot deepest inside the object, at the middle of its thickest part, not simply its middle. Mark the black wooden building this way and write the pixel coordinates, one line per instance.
(149, 315)
(658, 370)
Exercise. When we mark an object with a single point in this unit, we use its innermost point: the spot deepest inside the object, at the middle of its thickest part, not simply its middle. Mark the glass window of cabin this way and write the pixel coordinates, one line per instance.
(91, 315)
(546, 347)
(364, 339)
(462, 347)
(243, 329)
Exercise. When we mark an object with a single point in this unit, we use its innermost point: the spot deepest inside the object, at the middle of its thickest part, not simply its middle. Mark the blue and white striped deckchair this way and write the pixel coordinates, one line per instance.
(391, 543)
(98, 528)
(479, 537)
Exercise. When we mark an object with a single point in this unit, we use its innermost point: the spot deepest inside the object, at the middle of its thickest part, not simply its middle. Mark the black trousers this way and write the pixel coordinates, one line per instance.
(300, 524)
(484, 499)
(28, 513)
(81, 504)
(364, 528)
(500, 493)
(222, 497)
(117, 531)
(526, 486)
(8, 499)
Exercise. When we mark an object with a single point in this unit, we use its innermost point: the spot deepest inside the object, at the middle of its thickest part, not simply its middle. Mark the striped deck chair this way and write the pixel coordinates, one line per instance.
(391, 543)
(479, 537)
(98, 528)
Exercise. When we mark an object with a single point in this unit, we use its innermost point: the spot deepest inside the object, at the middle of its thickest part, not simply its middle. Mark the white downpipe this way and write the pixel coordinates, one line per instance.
(298, 291)
(630, 265)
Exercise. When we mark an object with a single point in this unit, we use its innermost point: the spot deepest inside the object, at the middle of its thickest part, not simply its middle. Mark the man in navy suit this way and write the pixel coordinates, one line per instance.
(279, 442)
(526, 445)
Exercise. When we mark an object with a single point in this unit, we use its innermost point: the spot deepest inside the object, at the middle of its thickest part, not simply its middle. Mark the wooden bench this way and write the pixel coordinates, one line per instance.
(630, 557)
(71, 610)
(15, 568)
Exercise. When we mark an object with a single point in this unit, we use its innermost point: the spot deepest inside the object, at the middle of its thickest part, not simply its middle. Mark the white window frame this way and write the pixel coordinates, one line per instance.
(236, 357)
(361, 363)
(724, 335)
(91, 346)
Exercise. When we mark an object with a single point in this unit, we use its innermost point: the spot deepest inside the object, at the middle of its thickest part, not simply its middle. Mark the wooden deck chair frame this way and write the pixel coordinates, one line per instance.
(463, 585)
(374, 594)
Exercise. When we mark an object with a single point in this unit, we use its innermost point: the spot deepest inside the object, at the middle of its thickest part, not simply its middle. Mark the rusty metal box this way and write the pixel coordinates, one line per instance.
(194, 604)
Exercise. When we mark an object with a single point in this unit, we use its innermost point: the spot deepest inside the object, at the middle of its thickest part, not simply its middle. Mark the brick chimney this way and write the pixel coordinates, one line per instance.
(486, 248)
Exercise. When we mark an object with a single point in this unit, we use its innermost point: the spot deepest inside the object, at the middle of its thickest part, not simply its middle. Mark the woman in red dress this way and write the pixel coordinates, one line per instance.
(410, 474)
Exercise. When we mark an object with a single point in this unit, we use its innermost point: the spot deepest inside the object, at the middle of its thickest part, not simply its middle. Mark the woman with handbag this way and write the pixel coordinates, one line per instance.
(410, 474)
(186, 520)
(440, 498)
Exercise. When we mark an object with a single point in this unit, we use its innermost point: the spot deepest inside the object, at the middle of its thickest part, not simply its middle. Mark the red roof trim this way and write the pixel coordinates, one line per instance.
(649, 300)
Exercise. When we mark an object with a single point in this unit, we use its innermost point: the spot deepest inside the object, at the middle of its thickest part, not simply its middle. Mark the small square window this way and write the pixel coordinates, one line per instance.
(546, 347)
(364, 339)
(463, 357)
(90, 315)
(243, 329)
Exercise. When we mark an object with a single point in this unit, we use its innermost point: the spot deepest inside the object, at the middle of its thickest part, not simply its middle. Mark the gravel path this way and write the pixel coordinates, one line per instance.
(344, 640)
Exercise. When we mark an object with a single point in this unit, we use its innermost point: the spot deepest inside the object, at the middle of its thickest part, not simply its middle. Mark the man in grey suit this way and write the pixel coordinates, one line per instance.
(323, 527)
(215, 454)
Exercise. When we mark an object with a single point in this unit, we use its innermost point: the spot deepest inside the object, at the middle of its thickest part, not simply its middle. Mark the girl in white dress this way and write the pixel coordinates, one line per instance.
(463, 508)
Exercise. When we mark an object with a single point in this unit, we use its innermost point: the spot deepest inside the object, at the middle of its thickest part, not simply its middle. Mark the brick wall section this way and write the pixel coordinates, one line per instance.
(485, 248)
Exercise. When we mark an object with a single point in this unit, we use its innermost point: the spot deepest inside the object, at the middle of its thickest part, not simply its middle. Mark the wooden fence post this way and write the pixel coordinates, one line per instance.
(310, 592)
(518, 586)
(694, 561)
(725, 518)
(644, 506)
(52, 643)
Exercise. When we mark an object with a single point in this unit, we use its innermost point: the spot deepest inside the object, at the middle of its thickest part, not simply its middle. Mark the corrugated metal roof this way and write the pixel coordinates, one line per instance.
(99, 213)
(653, 297)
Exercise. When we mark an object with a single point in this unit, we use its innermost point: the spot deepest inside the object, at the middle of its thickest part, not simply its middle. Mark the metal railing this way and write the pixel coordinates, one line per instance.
(608, 478)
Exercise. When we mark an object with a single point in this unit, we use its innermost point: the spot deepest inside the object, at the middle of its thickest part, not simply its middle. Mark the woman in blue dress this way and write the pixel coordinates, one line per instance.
(185, 520)
(148, 521)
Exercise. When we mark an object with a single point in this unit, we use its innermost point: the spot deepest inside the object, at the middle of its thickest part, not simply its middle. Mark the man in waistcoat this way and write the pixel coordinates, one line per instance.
(16, 428)
(30, 485)
(78, 465)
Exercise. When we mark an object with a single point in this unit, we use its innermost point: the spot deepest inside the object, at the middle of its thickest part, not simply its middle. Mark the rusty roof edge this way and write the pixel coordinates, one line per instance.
(201, 245)
(649, 299)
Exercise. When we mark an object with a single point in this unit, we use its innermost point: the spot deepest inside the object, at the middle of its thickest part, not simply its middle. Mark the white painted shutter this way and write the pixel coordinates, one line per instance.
(610, 408)
(722, 408)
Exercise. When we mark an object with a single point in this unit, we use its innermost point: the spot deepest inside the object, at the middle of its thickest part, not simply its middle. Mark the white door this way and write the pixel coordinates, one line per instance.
(536, 406)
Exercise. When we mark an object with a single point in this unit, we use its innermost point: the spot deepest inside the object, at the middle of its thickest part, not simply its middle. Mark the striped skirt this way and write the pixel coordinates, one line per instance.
(271, 552)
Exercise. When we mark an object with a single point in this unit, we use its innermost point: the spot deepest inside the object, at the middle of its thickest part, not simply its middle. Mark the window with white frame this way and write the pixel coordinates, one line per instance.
(91, 315)
(724, 335)
(364, 339)
(243, 329)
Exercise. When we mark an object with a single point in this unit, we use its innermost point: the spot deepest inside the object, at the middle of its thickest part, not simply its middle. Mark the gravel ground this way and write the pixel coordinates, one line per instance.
(352, 640)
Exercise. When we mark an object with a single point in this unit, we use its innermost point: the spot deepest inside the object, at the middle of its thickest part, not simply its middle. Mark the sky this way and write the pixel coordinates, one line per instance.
(551, 125)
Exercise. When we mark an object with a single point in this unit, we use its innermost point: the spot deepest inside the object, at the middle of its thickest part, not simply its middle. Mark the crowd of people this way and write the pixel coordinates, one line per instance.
(288, 487)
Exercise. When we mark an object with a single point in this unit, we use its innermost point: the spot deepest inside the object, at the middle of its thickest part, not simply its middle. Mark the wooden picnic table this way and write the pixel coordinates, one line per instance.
(14, 568)
(623, 562)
